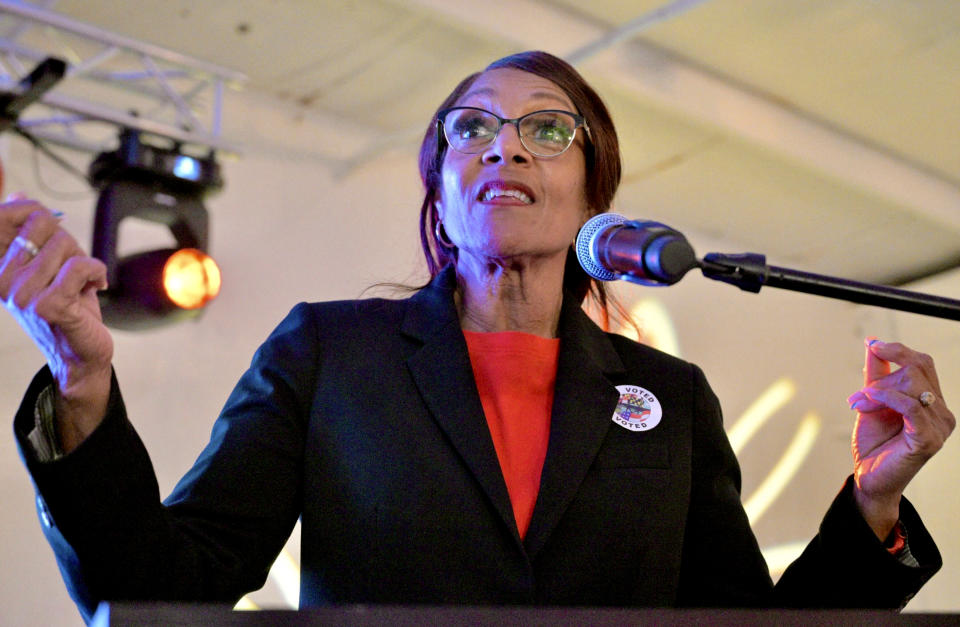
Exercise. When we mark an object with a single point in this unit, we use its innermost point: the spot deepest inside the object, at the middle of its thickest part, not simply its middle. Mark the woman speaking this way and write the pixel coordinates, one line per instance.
(480, 442)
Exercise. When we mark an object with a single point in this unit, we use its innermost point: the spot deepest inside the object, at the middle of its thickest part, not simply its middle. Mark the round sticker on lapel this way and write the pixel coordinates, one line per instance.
(638, 409)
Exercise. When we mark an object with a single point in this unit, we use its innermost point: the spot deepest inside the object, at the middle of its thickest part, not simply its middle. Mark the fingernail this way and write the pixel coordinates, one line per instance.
(58, 214)
(874, 341)
(856, 405)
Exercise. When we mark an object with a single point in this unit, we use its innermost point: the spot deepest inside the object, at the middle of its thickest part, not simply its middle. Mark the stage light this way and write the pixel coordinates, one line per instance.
(160, 184)
(191, 278)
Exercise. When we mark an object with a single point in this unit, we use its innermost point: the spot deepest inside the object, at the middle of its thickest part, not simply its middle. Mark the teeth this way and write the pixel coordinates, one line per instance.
(514, 193)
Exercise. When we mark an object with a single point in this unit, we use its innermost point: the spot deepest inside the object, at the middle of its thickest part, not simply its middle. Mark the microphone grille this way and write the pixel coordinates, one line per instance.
(586, 251)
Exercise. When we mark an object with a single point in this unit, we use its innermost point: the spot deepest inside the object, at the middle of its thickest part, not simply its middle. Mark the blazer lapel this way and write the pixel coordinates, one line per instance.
(583, 405)
(442, 372)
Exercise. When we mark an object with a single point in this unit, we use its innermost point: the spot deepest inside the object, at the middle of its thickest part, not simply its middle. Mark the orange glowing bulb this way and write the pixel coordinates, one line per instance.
(191, 278)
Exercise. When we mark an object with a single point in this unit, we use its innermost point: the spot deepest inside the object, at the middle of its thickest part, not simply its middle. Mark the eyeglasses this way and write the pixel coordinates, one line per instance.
(545, 133)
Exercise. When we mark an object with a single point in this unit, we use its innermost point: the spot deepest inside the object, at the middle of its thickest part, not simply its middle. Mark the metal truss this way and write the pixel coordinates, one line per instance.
(111, 81)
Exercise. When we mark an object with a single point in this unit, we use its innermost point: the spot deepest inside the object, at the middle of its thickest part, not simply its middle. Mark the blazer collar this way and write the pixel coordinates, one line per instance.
(583, 404)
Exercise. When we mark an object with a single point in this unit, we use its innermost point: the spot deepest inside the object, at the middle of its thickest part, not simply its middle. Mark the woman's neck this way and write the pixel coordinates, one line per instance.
(510, 296)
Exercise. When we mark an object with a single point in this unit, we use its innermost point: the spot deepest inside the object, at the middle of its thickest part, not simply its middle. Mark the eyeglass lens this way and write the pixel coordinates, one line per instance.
(544, 133)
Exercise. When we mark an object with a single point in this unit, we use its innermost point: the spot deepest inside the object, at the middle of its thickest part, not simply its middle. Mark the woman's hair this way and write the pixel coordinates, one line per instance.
(602, 158)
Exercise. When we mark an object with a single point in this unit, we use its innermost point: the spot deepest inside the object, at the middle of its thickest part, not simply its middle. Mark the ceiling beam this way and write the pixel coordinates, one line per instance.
(657, 76)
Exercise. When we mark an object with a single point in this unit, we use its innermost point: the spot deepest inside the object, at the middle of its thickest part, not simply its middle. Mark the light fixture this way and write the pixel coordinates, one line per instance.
(165, 185)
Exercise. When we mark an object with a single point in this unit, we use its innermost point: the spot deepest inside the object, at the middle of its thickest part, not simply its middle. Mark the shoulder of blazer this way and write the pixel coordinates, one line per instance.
(613, 352)
(633, 352)
(674, 375)
(418, 315)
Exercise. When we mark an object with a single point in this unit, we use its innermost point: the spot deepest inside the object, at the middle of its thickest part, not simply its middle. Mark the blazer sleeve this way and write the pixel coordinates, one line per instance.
(844, 566)
(721, 564)
(216, 536)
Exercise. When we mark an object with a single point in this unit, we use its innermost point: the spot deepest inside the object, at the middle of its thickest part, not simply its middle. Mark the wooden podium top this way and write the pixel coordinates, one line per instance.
(147, 614)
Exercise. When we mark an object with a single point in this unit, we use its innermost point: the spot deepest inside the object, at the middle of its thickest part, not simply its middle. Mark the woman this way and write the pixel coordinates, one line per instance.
(459, 446)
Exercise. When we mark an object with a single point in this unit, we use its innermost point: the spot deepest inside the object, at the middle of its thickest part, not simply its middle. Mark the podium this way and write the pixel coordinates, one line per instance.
(186, 615)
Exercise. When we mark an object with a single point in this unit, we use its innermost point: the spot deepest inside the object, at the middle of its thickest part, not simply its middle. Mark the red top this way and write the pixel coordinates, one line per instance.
(515, 374)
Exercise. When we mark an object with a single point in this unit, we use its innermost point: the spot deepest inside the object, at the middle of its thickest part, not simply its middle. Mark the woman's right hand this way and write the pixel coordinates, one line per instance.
(52, 292)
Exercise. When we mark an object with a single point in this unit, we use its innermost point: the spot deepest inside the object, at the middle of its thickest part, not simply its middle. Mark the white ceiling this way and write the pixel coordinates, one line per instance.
(823, 133)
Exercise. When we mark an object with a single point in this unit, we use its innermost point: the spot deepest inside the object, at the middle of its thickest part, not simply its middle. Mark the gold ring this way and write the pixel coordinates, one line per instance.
(927, 399)
(26, 245)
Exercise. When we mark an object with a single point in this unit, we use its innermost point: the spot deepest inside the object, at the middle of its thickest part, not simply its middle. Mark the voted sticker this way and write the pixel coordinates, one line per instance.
(638, 409)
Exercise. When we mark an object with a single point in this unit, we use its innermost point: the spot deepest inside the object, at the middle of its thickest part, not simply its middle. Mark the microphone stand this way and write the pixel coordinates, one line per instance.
(750, 272)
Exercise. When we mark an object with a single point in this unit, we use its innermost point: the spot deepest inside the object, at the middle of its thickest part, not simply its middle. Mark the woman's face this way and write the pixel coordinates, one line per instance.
(504, 203)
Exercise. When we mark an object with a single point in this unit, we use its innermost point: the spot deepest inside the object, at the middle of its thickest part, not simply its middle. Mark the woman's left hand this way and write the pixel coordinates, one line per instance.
(902, 421)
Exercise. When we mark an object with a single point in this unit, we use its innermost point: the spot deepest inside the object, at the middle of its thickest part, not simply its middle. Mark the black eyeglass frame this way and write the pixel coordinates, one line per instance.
(579, 122)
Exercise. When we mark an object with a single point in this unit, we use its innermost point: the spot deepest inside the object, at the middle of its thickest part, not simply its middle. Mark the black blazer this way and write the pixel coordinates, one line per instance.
(363, 419)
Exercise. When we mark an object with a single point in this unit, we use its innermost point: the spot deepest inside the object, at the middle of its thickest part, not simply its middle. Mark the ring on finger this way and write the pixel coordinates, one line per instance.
(32, 249)
(927, 398)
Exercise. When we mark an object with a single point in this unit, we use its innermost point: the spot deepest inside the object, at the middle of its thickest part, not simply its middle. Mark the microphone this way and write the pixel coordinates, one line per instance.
(611, 247)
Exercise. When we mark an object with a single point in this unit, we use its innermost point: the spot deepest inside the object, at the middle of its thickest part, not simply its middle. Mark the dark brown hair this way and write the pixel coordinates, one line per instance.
(602, 152)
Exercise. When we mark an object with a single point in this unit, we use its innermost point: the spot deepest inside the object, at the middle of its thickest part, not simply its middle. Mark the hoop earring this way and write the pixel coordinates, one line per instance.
(441, 234)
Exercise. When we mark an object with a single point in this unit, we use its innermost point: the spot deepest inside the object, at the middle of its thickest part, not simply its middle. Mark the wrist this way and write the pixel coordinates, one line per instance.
(81, 403)
(897, 540)
(880, 513)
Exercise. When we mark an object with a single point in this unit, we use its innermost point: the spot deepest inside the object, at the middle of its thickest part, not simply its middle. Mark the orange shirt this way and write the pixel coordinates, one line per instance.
(515, 374)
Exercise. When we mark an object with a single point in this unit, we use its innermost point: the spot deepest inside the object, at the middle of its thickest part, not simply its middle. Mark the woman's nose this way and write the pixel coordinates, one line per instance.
(507, 147)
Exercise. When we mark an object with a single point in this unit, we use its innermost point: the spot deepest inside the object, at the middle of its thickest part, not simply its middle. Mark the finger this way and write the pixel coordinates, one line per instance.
(39, 226)
(874, 366)
(81, 273)
(921, 418)
(903, 356)
(904, 381)
(911, 380)
(928, 426)
(893, 399)
(859, 401)
(34, 229)
(14, 213)
(28, 280)
(60, 302)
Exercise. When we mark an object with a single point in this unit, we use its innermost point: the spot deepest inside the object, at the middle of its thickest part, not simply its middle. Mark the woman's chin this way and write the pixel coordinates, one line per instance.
(512, 255)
